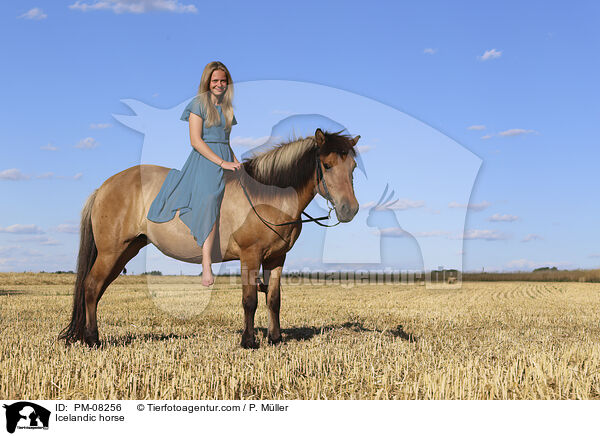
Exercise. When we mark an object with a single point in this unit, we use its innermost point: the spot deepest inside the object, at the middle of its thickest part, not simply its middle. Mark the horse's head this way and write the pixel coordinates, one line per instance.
(335, 159)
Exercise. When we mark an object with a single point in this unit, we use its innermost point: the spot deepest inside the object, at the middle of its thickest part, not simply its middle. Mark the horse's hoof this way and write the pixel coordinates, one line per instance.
(249, 343)
(274, 340)
(93, 343)
(92, 340)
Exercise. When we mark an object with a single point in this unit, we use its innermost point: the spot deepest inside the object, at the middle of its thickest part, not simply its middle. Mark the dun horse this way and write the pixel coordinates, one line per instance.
(272, 187)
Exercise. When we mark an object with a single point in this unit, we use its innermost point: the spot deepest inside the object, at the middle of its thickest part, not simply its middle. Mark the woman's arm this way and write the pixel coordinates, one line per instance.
(233, 154)
(197, 141)
(201, 147)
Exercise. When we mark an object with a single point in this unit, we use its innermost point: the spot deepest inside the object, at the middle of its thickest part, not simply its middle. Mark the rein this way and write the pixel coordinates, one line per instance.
(327, 196)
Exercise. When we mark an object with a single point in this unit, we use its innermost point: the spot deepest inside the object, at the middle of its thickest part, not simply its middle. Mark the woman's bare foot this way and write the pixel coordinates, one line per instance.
(207, 275)
(207, 279)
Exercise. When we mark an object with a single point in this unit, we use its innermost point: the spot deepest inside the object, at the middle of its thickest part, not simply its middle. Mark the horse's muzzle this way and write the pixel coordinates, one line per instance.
(345, 212)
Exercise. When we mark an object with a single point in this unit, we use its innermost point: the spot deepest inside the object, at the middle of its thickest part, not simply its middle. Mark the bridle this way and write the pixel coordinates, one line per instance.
(320, 177)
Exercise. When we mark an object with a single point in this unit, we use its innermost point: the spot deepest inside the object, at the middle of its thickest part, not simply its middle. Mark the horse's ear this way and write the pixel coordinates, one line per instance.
(319, 137)
(355, 140)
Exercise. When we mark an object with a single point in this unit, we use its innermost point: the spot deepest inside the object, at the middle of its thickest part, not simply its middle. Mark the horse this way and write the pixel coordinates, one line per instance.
(274, 186)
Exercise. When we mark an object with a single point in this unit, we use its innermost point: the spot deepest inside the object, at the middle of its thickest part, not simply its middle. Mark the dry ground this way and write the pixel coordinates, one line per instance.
(171, 339)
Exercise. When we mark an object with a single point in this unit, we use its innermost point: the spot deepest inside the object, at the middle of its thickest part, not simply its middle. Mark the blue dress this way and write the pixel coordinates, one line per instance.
(197, 189)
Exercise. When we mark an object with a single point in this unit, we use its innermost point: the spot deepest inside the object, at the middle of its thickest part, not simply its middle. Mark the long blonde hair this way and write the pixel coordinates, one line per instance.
(212, 114)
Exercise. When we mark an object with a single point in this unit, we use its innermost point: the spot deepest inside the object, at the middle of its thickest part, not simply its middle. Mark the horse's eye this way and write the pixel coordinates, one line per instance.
(326, 166)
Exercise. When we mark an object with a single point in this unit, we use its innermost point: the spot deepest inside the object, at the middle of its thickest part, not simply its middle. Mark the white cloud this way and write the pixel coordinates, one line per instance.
(404, 204)
(87, 143)
(503, 218)
(51, 242)
(531, 237)
(398, 231)
(521, 263)
(66, 228)
(42, 240)
(516, 132)
(48, 147)
(35, 238)
(250, 142)
(486, 235)
(51, 175)
(48, 175)
(23, 229)
(364, 148)
(399, 204)
(393, 231)
(476, 127)
(431, 233)
(490, 54)
(100, 125)
(430, 51)
(13, 174)
(134, 6)
(34, 14)
(508, 133)
(472, 206)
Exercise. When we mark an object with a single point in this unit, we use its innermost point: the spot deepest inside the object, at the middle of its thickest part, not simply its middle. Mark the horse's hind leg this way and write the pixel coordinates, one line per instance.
(106, 269)
(250, 264)
(272, 270)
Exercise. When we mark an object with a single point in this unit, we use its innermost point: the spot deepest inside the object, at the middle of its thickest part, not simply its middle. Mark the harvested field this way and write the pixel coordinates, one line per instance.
(171, 339)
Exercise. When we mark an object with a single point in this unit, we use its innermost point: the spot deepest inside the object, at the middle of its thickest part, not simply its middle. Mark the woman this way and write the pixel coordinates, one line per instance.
(197, 190)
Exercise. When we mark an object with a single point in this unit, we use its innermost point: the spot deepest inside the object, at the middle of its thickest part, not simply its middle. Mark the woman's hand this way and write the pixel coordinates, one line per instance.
(231, 166)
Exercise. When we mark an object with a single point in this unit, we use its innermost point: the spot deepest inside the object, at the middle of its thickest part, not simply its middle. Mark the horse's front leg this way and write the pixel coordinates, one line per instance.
(250, 266)
(274, 268)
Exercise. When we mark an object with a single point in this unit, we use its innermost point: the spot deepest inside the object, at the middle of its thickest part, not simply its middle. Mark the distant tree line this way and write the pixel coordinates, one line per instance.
(152, 273)
(57, 272)
(544, 274)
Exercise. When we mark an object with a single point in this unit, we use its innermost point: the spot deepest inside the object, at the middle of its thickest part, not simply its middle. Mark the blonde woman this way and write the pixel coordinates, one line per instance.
(197, 189)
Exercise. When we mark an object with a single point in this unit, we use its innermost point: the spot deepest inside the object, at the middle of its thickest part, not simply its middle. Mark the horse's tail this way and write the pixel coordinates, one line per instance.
(87, 255)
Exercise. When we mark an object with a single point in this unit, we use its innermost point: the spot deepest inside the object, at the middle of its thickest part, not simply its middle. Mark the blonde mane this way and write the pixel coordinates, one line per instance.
(292, 163)
(288, 164)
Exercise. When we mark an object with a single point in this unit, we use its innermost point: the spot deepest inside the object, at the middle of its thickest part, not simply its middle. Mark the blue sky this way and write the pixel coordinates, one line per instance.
(510, 88)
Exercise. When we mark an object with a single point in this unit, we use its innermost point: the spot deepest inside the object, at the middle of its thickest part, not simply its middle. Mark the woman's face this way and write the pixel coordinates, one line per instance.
(218, 83)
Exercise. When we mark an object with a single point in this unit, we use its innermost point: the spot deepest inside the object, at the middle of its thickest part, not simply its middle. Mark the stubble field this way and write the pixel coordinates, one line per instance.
(168, 338)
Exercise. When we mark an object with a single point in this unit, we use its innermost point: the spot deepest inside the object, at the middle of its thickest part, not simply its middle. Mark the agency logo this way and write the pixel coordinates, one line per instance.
(26, 415)
(413, 184)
